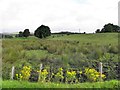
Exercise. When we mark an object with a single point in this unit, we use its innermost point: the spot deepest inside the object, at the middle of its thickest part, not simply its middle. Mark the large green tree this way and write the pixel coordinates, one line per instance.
(97, 31)
(42, 31)
(20, 34)
(26, 33)
(110, 28)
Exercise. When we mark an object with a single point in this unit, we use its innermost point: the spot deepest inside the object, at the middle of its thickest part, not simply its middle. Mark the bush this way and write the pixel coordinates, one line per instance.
(25, 72)
(93, 75)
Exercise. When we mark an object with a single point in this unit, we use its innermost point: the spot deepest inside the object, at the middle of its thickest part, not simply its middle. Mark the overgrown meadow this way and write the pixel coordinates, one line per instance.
(60, 56)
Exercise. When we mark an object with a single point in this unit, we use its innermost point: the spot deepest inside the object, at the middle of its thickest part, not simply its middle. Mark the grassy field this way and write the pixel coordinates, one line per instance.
(75, 52)
(24, 84)
(98, 38)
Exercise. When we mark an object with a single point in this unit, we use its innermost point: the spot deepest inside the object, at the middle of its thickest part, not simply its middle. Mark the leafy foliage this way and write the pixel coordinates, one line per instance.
(71, 76)
(26, 33)
(25, 72)
(93, 75)
(42, 31)
(43, 75)
(108, 28)
(59, 75)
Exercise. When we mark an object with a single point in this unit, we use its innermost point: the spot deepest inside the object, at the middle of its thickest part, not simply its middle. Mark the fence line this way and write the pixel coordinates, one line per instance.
(41, 67)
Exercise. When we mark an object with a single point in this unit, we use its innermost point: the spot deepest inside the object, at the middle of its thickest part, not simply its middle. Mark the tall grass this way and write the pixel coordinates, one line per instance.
(67, 51)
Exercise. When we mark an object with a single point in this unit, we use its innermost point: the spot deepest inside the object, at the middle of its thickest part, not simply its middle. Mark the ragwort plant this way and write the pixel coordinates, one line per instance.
(43, 75)
(59, 75)
(19, 77)
(70, 76)
(25, 72)
(93, 75)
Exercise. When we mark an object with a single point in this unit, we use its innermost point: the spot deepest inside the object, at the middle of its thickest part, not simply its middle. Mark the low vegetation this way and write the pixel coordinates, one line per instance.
(24, 84)
(67, 59)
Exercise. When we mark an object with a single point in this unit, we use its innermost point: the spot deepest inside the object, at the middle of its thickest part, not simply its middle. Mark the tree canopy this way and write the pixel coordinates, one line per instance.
(108, 28)
(26, 33)
(20, 34)
(42, 31)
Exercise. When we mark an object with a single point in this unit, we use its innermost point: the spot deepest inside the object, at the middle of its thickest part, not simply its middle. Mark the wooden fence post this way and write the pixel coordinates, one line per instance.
(12, 72)
(100, 70)
(41, 67)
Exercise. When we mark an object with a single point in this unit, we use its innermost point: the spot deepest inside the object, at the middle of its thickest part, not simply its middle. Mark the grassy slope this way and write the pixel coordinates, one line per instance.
(99, 38)
(23, 84)
(106, 38)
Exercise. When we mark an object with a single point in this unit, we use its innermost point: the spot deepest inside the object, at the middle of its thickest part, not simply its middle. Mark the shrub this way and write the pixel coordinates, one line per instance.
(25, 72)
(19, 77)
(93, 75)
(113, 49)
(43, 75)
(70, 76)
(34, 76)
(59, 76)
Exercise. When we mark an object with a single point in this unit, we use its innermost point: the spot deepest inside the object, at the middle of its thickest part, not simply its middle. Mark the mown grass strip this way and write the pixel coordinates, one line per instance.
(26, 84)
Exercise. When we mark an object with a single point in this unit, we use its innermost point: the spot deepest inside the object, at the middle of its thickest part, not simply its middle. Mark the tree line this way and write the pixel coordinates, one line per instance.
(44, 31)
(108, 28)
(41, 32)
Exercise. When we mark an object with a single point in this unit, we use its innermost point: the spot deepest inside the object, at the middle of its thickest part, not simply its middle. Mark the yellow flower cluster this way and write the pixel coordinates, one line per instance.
(103, 76)
(59, 74)
(93, 75)
(80, 72)
(43, 75)
(44, 72)
(19, 76)
(71, 75)
(60, 69)
(25, 72)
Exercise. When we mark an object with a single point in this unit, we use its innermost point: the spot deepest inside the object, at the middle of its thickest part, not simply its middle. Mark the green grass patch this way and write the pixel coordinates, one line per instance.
(25, 84)
(36, 53)
(76, 51)
(98, 38)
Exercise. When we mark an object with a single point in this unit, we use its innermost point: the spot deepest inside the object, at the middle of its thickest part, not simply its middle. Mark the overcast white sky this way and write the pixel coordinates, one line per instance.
(59, 15)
